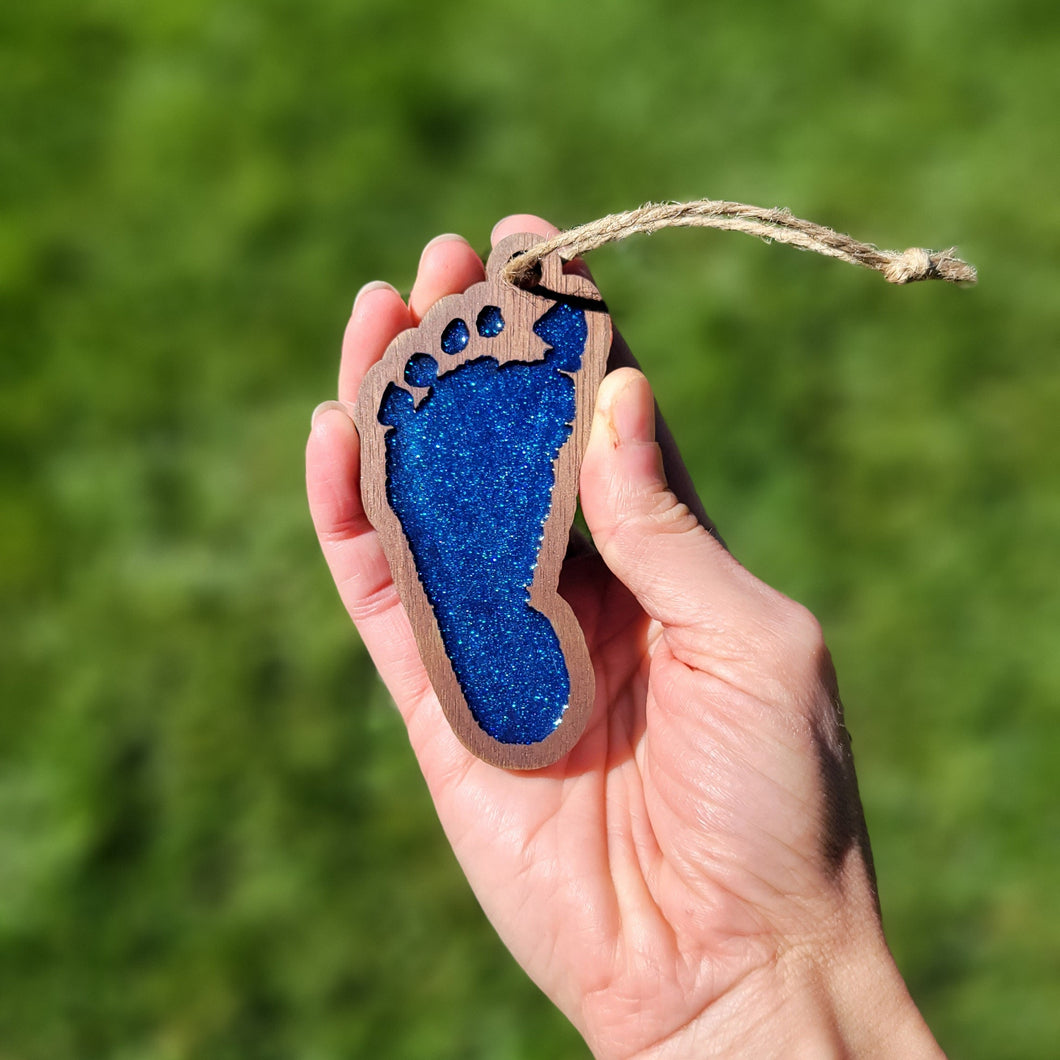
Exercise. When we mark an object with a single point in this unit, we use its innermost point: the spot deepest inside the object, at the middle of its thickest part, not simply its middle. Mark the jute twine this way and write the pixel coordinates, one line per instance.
(779, 225)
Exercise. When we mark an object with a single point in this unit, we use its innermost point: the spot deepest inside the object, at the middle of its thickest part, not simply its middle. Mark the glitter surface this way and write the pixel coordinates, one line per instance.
(470, 474)
(490, 323)
(455, 337)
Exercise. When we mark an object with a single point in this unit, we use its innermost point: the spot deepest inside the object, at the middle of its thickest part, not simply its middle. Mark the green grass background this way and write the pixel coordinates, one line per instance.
(213, 839)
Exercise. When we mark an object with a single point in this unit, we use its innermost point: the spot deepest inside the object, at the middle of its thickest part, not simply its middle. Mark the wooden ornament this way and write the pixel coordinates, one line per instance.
(472, 428)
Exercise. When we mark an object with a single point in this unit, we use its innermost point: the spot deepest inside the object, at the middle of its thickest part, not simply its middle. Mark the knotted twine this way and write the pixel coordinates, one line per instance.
(777, 224)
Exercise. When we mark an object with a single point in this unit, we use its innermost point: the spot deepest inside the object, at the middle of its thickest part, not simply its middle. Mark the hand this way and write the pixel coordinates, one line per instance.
(694, 877)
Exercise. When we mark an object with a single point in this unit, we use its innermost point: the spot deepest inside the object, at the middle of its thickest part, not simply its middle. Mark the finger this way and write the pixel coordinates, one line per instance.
(448, 265)
(521, 222)
(529, 222)
(378, 316)
(355, 556)
(650, 540)
(677, 474)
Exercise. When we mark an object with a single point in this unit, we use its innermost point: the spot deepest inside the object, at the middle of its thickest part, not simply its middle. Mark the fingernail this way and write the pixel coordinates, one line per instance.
(628, 418)
(446, 237)
(522, 222)
(374, 285)
(328, 406)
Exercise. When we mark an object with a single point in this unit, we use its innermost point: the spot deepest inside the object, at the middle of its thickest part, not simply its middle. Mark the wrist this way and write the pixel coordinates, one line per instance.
(844, 999)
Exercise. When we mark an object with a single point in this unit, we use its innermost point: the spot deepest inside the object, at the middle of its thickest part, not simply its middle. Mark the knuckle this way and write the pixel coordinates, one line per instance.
(800, 644)
(666, 514)
(803, 626)
(662, 515)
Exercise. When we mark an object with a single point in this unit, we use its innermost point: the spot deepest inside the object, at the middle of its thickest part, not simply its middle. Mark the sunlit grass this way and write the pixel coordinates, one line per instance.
(213, 839)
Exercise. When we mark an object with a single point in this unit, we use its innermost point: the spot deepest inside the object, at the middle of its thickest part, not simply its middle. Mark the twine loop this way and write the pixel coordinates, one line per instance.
(773, 225)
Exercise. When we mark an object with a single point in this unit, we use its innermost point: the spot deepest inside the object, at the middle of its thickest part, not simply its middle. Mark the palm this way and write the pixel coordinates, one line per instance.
(573, 863)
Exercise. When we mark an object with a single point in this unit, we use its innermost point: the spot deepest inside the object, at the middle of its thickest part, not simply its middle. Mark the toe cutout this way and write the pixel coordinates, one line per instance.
(490, 322)
(564, 328)
(422, 370)
(396, 406)
(455, 336)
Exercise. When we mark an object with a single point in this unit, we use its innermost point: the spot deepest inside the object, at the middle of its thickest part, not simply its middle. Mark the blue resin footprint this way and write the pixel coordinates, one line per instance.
(470, 477)
(470, 457)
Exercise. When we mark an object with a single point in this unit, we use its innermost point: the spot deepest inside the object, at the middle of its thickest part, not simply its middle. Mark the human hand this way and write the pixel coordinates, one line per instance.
(694, 876)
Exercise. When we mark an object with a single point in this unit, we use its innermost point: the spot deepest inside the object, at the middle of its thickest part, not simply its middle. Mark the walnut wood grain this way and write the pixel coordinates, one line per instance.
(517, 342)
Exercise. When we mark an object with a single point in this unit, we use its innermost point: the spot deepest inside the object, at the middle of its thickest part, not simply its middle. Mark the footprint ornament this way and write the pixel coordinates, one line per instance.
(472, 431)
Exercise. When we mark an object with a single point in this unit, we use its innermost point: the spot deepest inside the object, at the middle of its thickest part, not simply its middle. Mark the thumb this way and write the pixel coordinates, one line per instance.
(653, 543)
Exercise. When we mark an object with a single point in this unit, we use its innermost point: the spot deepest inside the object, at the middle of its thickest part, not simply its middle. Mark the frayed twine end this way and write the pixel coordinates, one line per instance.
(916, 263)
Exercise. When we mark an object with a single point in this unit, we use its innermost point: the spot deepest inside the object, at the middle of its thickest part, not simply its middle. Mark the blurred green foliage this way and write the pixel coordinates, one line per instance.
(213, 839)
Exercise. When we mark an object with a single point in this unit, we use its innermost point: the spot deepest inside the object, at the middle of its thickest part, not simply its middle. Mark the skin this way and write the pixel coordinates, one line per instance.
(694, 878)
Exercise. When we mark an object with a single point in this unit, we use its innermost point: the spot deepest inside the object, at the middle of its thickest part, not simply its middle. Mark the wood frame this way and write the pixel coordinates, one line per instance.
(521, 308)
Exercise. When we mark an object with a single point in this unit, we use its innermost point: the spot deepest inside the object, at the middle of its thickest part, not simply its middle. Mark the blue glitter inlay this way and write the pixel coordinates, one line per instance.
(421, 370)
(470, 476)
(490, 323)
(455, 337)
